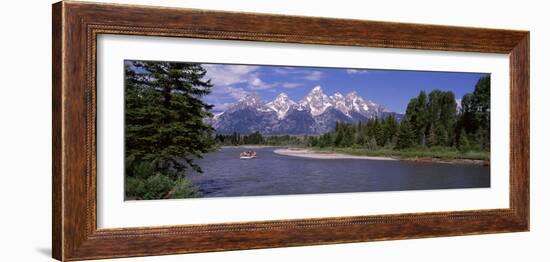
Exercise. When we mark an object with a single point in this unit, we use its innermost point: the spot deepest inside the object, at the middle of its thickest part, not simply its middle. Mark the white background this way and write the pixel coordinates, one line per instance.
(25, 136)
(114, 212)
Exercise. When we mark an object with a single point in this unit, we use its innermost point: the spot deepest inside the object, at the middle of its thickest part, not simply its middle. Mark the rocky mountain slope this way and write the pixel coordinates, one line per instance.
(316, 113)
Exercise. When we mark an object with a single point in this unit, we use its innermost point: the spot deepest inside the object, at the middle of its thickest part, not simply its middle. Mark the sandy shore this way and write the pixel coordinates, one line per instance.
(328, 155)
(248, 146)
(450, 161)
(322, 155)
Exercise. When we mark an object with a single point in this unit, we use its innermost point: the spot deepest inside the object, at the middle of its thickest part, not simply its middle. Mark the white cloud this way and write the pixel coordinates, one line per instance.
(233, 82)
(255, 82)
(226, 75)
(230, 82)
(291, 85)
(230, 75)
(356, 71)
(236, 92)
(313, 75)
(222, 106)
(227, 94)
(298, 72)
(282, 71)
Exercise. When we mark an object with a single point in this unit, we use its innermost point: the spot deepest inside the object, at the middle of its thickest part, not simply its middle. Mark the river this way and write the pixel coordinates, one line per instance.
(225, 175)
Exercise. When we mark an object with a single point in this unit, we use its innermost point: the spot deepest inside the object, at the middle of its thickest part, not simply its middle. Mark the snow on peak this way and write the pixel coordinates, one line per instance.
(356, 103)
(352, 95)
(281, 105)
(282, 97)
(317, 89)
(217, 115)
(339, 102)
(251, 98)
(337, 95)
(316, 101)
(249, 101)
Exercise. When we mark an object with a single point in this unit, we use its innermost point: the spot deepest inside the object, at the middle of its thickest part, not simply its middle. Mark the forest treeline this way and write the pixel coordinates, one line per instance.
(431, 120)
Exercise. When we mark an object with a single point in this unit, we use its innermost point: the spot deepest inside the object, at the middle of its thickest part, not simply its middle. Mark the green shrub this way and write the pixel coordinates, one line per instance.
(158, 186)
(154, 187)
(134, 187)
(144, 183)
(143, 170)
(184, 189)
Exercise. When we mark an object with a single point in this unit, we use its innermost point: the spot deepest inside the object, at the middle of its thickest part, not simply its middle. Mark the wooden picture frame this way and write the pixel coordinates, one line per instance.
(76, 26)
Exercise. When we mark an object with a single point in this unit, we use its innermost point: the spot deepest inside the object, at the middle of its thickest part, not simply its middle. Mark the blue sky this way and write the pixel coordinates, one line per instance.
(390, 88)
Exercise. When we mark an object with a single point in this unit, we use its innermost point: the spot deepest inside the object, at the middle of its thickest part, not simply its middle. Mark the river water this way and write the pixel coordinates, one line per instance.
(225, 175)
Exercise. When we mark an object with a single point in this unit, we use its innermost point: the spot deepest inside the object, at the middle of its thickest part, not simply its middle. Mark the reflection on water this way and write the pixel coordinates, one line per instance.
(272, 174)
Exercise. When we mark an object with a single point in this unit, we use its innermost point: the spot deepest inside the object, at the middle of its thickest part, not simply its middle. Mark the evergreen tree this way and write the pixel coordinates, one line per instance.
(390, 129)
(313, 141)
(339, 135)
(417, 115)
(442, 115)
(482, 101)
(474, 116)
(463, 142)
(441, 135)
(372, 145)
(360, 139)
(164, 115)
(378, 130)
(432, 118)
(326, 140)
(431, 139)
(406, 136)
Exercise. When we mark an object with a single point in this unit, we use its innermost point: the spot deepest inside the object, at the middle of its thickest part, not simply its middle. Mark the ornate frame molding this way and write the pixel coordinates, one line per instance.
(76, 26)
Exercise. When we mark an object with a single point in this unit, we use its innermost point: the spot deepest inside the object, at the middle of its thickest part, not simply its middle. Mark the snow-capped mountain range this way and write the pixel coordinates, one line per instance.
(316, 113)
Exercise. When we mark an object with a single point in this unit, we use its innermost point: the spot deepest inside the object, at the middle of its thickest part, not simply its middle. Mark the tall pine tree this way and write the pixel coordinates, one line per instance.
(164, 116)
(406, 135)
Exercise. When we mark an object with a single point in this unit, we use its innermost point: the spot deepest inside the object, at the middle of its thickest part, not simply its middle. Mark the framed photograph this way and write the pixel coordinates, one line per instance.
(182, 130)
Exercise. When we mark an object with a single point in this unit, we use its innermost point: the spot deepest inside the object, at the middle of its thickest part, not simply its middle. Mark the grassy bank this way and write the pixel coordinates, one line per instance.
(442, 153)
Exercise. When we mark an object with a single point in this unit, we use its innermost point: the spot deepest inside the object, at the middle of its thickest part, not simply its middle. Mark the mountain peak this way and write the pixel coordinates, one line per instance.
(250, 100)
(339, 102)
(250, 97)
(281, 105)
(282, 96)
(317, 89)
(352, 94)
(315, 113)
(316, 101)
(338, 95)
